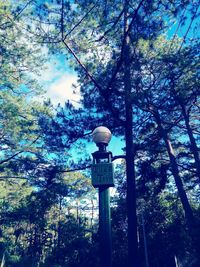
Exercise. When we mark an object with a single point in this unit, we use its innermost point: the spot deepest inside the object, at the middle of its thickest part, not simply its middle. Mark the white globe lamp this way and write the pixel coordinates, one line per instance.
(101, 136)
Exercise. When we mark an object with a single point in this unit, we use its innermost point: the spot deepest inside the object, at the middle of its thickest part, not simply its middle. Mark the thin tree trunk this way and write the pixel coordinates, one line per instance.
(130, 169)
(77, 212)
(92, 215)
(193, 146)
(3, 261)
(145, 241)
(175, 172)
(59, 226)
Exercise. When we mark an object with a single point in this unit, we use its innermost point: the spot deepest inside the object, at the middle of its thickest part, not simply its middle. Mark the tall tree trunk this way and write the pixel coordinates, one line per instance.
(193, 146)
(175, 172)
(130, 168)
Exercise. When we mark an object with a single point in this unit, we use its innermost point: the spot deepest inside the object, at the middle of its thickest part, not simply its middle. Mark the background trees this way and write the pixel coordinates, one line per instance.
(133, 79)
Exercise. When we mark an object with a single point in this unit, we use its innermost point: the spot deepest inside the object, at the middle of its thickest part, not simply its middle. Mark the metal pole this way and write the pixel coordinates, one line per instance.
(105, 227)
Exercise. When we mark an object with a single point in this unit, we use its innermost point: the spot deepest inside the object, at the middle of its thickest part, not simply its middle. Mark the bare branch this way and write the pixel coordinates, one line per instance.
(19, 152)
(62, 19)
(11, 157)
(118, 157)
(76, 169)
(22, 10)
(80, 21)
(2, 178)
(188, 29)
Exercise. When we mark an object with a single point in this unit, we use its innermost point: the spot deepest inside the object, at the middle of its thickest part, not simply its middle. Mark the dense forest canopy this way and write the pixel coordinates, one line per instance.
(137, 66)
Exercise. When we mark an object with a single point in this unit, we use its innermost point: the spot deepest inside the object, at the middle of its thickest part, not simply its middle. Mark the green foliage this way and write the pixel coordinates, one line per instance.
(19, 57)
(49, 216)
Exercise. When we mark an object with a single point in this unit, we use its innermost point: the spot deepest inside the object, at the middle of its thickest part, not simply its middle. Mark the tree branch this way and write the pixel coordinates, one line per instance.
(80, 21)
(114, 24)
(101, 90)
(19, 152)
(22, 10)
(119, 62)
(2, 178)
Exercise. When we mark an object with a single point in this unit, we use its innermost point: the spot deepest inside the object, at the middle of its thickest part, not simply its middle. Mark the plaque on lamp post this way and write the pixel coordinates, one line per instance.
(102, 174)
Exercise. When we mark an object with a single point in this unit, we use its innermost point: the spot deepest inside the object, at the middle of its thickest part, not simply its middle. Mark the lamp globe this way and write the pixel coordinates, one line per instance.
(101, 135)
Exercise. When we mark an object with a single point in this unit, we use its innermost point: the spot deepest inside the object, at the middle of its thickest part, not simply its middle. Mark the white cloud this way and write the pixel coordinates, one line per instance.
(62, 90)
(57, 79)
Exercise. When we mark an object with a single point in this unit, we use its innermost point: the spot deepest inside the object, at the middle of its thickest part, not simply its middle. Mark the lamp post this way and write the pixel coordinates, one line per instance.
(103, 178)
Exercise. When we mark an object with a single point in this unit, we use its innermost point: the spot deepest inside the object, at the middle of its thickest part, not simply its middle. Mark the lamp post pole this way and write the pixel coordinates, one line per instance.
(102, 178)
(105, 228)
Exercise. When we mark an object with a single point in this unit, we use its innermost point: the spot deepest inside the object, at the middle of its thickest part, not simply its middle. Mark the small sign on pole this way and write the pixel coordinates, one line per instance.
(102, 174)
